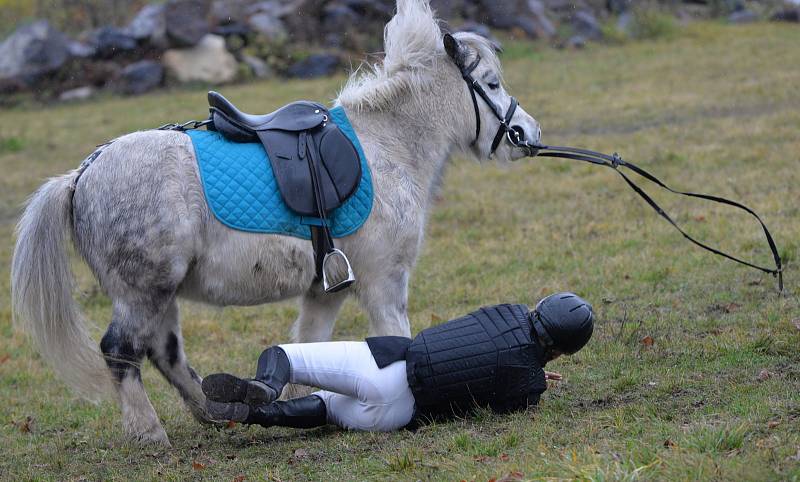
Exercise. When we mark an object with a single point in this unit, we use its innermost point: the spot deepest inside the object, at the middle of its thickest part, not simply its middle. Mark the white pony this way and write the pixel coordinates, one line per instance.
(138, 217)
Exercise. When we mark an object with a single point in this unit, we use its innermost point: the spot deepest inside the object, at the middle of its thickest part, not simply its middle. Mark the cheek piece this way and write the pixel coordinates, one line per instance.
(514, 135)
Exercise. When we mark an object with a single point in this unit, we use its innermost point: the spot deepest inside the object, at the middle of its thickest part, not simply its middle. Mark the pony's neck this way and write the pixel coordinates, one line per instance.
(421, 131)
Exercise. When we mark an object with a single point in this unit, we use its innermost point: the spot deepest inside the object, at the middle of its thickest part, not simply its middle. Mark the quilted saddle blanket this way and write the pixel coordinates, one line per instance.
(241, 190)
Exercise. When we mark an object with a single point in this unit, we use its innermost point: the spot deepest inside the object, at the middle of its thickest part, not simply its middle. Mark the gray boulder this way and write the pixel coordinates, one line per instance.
(140, 77)
(31, 52)
(316, 65)
(186, 22)
(743, 16)
(77, 94)
(259, 68)
(110, 41)
(268, 26)
(149, 25)
(586, 25)
(209, 61)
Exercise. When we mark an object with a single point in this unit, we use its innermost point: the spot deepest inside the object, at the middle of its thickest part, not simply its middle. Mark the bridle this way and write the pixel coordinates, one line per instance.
(515, 137)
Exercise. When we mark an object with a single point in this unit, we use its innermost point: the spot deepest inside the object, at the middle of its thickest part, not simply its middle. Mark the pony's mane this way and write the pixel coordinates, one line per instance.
(413, 44)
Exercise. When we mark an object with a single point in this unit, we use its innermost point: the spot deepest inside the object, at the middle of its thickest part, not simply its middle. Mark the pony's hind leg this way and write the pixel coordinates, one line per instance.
(124, 346)
(166, 352)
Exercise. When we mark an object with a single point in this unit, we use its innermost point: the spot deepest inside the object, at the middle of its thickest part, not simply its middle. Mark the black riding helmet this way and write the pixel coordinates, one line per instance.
(563, 322)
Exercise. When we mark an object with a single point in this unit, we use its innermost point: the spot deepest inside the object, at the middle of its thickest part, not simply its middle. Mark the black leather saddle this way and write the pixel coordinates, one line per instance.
(316, 167)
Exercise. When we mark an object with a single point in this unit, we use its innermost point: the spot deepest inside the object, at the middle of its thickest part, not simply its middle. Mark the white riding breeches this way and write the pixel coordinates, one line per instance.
(357, 394)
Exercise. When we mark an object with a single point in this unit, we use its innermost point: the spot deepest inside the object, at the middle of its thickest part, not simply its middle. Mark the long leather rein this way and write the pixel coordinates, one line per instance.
(614, 162)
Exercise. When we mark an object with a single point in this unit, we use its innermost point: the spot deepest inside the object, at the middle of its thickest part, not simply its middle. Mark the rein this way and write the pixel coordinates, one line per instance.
(614, 162)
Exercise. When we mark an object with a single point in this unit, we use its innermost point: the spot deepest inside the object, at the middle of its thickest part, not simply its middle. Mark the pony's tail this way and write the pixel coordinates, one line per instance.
(41, 292)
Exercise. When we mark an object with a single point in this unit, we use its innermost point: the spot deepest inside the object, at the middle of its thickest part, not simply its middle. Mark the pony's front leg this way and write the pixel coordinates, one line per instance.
(385, 299)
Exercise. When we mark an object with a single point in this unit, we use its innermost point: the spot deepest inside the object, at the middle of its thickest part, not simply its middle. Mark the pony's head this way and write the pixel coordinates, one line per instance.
(424, 68)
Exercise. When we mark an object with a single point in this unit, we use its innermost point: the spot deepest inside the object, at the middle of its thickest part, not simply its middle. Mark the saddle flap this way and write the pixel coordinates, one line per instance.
(339, 169)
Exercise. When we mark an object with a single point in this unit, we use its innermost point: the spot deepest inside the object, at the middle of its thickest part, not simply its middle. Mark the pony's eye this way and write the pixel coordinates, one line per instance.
(494, 85)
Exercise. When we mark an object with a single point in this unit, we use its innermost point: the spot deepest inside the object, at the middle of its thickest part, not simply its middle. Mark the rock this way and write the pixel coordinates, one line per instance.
(32, 51)
(541, 26)
(186, 22)
(743, 16)
(80, 49)
(787, 14)
(480, 29)
(619, 6)
(337, 20)
(268, 26)
(586, 25)
(140, 77)
(110, 41)
(317, 65)
(224, 12)
(575, 42)
(81, 93)
(260, 68)
(209, 62)
(149, 25)
(448, 9)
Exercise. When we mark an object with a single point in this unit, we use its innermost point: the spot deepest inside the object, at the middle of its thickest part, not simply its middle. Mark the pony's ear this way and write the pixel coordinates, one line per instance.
(453, 48)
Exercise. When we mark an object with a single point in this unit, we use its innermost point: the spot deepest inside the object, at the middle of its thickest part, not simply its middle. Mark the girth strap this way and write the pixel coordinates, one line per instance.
(615, 162)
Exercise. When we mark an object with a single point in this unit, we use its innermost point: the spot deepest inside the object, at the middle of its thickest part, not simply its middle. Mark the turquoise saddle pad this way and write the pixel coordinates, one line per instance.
(242, 192)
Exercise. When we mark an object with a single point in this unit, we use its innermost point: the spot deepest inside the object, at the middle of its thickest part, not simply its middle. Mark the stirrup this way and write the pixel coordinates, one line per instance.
(334, 255)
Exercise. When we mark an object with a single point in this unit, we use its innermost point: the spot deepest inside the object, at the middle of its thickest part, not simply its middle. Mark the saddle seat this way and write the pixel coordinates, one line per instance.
(235, 124)
(316, 167)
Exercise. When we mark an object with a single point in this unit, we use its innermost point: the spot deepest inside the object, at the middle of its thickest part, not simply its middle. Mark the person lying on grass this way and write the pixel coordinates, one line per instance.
(493, 357)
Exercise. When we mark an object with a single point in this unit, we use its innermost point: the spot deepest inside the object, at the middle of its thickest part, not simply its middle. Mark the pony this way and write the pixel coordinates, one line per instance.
(138, 217)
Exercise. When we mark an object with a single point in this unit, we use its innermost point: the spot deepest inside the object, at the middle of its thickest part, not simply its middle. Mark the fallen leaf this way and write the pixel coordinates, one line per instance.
(796, 323)
(773, 423)
(436, 318)
(504, 457)
(481, 458)
(670, 444)
(647, 341)
(230, 424)
(231, 457)
(25, 425)
(512, 476)
(7, 357)
(198, 466)
(731, 307)
(764, 375)
(239, 478)
(700, 218)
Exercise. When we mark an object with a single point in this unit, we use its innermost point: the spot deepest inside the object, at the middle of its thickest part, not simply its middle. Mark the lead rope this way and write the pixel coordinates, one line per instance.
(615, 162)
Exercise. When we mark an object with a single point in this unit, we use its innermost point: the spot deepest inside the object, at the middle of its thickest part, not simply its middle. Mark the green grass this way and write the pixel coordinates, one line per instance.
(715, 109)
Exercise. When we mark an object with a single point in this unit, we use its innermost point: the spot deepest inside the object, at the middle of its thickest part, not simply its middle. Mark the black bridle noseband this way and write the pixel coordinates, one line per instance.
(515, 136)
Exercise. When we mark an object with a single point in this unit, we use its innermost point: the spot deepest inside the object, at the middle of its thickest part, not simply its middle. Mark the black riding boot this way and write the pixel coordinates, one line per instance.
(306, 412)
(272, 374)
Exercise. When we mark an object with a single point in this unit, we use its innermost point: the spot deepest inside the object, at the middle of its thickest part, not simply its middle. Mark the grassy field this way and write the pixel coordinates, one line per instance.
(715, 396)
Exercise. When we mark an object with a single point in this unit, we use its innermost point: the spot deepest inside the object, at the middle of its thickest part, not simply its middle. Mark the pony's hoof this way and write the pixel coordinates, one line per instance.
(153, 437)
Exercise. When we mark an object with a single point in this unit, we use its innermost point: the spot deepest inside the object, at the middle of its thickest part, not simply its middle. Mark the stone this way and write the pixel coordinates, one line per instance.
(186, 22)
(80, 93)
(80, 50)
(224, 12)
(110, 41)
(31, 52)
(541, 26)
(268, 26)
(618, 7)
(586, 25)
(259, 68)
(448, 9)
(576, 42)
(480, 29)
(787, 14)
(316, 65)
(140, 77)
(743, 16)
(149, 25)
(209, 62)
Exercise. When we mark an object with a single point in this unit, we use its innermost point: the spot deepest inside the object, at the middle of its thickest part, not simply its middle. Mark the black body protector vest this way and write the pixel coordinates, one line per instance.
(488, 358)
